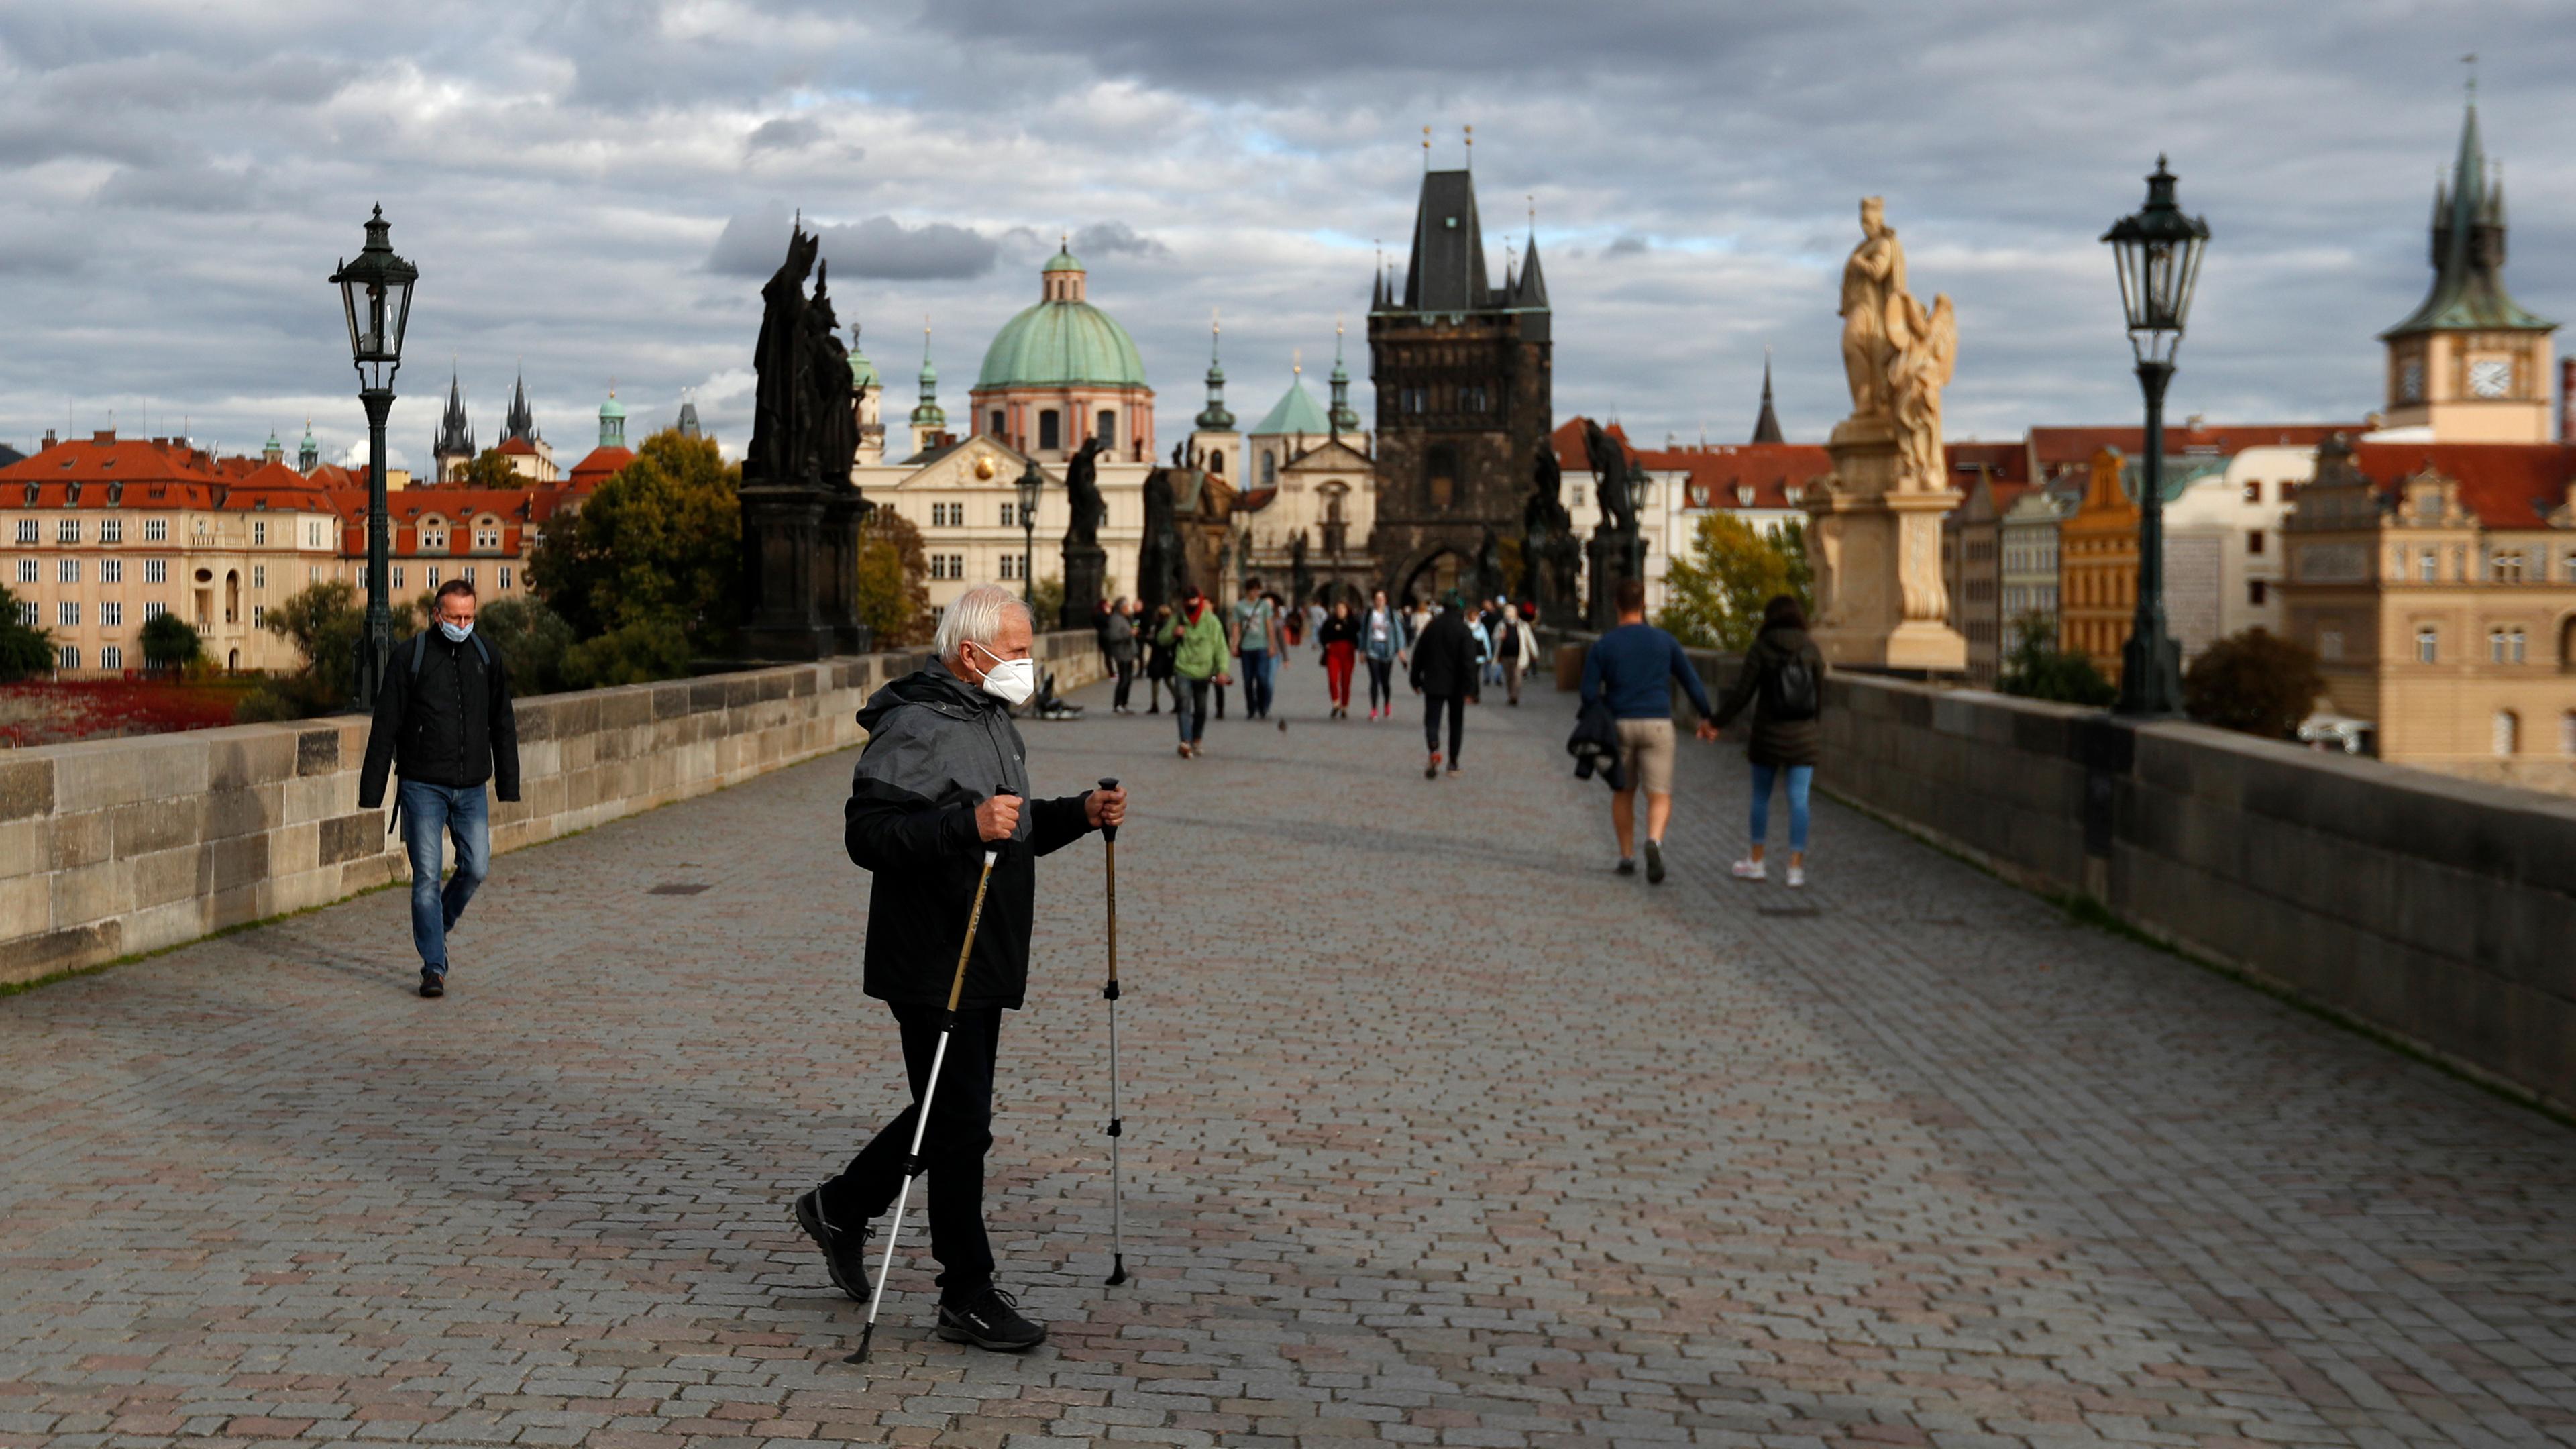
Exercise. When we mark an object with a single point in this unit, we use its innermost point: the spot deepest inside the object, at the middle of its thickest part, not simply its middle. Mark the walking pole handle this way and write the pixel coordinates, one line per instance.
(1109, 832)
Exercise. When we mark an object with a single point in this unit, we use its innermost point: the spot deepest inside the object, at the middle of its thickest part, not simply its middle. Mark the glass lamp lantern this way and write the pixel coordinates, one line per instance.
(2158, 252)
(375, 298)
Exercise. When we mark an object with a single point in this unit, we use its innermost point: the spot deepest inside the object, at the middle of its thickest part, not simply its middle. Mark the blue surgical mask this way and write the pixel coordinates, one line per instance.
(456, 633)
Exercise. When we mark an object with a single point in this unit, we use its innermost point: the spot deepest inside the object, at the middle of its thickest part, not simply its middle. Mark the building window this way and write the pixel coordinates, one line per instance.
(2505, 568)
(67, 657)
(67, 571)
(1050, 430)
(1106, 428)
(2429, 567)
(487, 538)
(2428, 645)
(258, 615)
(313, 573)
(111, 571)
(2253, 490)
(156, 571)
(2254, 541)
(67, 531)
(1269, 469)
(259, 533)
(948, 515)
(1471, 399)
(156, 530)
(27, 612)
(2506, 645)
(111, 530)
(469, 573)
(111, 614)
(2397, 563)
(152, 611)
(67, 614)
(111, 657)
(1441, 467)
(2329, 642)
(505, 576)
(433, 576)
(398, 576)
(1010, 566)
(259, 576)
(2508, 733)
(29, 531)
(26, 571)
(2254, 592)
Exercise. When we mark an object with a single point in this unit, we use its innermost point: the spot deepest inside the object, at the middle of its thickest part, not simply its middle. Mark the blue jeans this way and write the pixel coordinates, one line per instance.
(1190, 707)
(465, 815)
(1800, 777)
(1260, 673)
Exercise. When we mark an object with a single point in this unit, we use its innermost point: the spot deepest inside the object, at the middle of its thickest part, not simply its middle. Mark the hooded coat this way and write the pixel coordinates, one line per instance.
(1777, 742)
(1445, 655)
(937, 748)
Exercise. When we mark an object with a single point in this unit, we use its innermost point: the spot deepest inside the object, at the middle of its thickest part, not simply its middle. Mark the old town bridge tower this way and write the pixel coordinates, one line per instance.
(1464, 400)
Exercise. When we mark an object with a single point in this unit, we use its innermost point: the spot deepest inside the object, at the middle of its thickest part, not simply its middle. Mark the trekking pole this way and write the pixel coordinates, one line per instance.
(921, 1118)
(1109, 993)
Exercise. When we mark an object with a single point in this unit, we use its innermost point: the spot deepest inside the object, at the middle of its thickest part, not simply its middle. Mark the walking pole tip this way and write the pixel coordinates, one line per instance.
(865, 1335)
(1118, 1269)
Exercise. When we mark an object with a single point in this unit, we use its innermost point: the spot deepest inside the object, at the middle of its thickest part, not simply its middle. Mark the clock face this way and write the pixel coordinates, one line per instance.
(2490, 377)
(2410, 380)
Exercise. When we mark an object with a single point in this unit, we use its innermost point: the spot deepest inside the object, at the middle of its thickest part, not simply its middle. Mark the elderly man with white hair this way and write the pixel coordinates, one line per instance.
(941, 781)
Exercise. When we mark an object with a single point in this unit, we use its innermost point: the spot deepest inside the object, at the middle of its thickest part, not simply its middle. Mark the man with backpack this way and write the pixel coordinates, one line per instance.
(443, 719)
(1631, 669)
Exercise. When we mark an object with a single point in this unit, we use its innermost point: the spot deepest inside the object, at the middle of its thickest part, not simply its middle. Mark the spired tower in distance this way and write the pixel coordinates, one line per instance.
(1464, 397)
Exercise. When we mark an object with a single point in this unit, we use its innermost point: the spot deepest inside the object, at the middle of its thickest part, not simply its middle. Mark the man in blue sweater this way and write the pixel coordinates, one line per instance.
(1632, 668)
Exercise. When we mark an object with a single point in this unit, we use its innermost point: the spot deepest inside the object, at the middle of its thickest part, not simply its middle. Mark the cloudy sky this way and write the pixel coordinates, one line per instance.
(592, 189)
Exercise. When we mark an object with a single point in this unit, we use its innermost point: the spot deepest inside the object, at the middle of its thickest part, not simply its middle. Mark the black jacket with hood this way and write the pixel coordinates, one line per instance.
(449, 722)
(937, 748)
(1777, 742)
(1444, 658)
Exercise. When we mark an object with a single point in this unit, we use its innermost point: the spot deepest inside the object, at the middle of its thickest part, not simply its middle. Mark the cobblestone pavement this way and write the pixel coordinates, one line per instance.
(1440, 1134)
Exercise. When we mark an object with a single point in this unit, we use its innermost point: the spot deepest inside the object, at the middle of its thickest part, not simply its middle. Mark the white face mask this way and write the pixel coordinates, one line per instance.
(1011, 681)
(455, 633)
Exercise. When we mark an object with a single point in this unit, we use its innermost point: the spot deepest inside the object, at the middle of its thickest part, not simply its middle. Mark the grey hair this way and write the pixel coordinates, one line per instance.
(976, 618)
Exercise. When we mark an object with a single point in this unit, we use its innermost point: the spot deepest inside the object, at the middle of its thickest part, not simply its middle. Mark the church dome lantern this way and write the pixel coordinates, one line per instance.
(1063, 370)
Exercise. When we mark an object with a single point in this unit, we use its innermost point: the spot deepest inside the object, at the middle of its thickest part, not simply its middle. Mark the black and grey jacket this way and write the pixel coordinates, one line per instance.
(443, 717)
(937, 748)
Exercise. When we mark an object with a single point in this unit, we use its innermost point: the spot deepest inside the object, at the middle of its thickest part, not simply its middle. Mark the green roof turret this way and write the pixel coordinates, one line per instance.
(1214, 418)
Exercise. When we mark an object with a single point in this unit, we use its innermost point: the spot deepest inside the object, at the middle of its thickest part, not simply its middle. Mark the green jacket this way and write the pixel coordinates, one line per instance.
(1198, 650)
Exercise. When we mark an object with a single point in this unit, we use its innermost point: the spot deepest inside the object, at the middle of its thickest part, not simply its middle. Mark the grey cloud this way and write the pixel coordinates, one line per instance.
(785, 133)
(195, 188)
(1116, 238)
(880, 247)
(1626, 246)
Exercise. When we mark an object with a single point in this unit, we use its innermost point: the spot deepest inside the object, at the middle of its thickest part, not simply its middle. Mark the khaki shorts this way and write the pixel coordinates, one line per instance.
(1646, 754)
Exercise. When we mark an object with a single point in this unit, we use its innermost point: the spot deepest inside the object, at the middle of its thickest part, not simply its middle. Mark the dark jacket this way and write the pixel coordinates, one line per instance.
(937, 748)
(1595, 744)
(1338, 630)
(1118, 639)
(447, 723)
(1777, 741)
(1444, 658)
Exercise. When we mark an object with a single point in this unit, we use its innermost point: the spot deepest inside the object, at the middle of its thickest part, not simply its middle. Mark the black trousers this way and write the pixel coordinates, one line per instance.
(1126, 680)
(1381, 683)
(961, 1132)
(1432, 704)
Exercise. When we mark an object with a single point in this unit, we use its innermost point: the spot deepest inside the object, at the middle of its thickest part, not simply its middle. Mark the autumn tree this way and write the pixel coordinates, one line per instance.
(1714, 595)
(894, 580)
(659, 542)
(2256, 681)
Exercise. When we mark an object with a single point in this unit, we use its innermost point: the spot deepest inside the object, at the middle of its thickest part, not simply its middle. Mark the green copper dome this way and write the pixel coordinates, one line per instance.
(612, 408)
(1057, 343)
(1063, 261)
(1295, 412)
(863, 373)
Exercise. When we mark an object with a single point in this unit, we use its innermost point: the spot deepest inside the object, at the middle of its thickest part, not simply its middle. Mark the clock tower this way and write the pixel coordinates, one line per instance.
(2470, 364)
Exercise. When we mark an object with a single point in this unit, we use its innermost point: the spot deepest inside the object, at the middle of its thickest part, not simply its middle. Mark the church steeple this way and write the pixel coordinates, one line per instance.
(1214, 418)
(2468, 235)
(1345, 418)
(928, 421)
(521, 422)
(1766, 428)
(455, 446)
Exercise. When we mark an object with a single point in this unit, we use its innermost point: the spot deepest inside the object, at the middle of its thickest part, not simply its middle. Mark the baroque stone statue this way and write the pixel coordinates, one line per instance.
(1897, 354)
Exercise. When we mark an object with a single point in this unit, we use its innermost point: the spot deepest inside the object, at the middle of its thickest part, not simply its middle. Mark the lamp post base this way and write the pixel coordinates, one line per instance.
(2150, 677)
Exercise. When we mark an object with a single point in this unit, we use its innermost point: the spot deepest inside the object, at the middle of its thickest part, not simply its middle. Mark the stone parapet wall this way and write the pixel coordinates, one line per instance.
(111, 847)
(2439, 911)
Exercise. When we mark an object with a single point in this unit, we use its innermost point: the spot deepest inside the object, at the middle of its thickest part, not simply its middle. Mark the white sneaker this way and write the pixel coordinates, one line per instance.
(1751, 870)
(1797, 876)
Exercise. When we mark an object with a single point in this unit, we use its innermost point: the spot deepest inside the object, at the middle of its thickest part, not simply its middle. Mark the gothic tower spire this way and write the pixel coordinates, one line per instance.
(1766, 428)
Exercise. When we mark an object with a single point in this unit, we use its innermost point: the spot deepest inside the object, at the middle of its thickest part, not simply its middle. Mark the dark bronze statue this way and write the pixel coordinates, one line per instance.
(1610, 476)
(781, 360)
(1158, 556)
(1081, 485)
(800, 514)
(1489, 566)
(1551, 557)
(1616, 551)
(1301, 579)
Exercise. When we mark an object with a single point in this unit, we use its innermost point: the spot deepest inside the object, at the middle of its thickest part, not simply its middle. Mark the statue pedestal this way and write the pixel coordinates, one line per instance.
(1875, 543)
(1612, 557)
(1086, 569)
(782, 535)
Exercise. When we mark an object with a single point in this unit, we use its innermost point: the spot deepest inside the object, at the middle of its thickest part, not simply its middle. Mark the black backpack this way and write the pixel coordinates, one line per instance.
(1791, 693)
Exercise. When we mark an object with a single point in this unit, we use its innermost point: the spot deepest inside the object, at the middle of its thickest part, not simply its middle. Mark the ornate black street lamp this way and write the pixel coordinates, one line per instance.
(1030, 482)
(2158, 251)
(375, 294)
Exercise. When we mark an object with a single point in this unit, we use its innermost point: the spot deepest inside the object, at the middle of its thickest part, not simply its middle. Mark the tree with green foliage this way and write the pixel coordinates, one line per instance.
(894, 580)
(635, 653)
(532, 638)
(2037, 669)
(1714, 595)
(324, 621)
(490, 469)
(659, 542)
(1046, 602)
(169, 642)
(2256, 682)
(24, 648)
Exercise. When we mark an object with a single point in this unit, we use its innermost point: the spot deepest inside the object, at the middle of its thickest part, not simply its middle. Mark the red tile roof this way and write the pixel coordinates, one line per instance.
(2058, 449)
(599, 465)
(152, 472)
(517, 448)
(2507, 485)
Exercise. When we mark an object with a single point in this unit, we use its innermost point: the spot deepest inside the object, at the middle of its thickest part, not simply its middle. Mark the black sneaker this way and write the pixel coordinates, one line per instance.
(989, 1318)
(433, 981)
(1654, 862)
(1627, 865)
(845, 1250)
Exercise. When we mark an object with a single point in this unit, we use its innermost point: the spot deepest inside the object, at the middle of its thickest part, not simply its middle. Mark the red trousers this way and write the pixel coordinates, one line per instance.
(1337, 670)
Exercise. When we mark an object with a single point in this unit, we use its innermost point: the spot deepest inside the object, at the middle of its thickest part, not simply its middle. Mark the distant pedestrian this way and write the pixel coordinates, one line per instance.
(1444, 674)
(1158, 658)
(1118, 643)
(942, 781)
(1515, 645)
(1197, 644)
(1384, 639)
(443, 719)
(1632, 668)
(1784, 681)
(1484, 653)
(1254, 632)
(1339, 636)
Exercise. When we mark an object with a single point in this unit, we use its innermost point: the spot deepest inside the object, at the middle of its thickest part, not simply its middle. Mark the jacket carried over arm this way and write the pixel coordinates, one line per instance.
(937, 748)
(443, 717)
